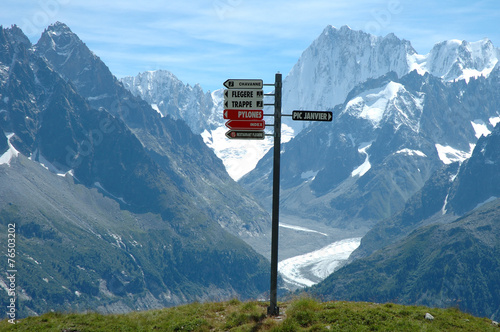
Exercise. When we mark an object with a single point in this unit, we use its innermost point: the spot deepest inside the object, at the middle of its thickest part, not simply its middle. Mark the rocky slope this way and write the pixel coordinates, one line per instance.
(427, 254)
(103, 220)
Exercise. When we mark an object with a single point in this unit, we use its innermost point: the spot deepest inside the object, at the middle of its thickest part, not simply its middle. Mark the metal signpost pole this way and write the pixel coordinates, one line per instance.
(243, 102)
(273, 308)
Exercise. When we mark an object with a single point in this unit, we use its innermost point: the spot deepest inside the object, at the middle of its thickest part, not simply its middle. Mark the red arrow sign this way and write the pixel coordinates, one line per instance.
(246, 124)
(243, 114)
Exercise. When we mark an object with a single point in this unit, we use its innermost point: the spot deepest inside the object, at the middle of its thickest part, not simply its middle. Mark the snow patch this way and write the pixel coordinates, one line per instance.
(364, 167)
(371, 105)
(494, 120)
(417, 62)
(480, 128)
(474, 73)
(300, 229)
(410, 152)
(241, 156)
(11, 152)
(443, 209)
(376, 102)
(449, 155)
(155, 107)
(317, 265)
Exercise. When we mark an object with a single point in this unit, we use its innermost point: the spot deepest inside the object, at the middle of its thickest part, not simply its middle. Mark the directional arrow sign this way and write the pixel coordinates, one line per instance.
(235, 114)
(243, 84)
(244, 104)
(243, 94)
(243, 99)
(246, 124)
(312, 116)
(244, 134)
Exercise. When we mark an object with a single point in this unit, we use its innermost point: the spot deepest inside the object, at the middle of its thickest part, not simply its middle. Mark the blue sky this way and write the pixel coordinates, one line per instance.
(207, 42)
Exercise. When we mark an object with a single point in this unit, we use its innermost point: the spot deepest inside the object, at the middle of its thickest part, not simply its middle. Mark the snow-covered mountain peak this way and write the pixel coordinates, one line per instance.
(150, 84)
(60, 37)
(339, 59)
(336, 62)
(170, 96)
(58, 28)
(456, 59)
(371, 104)
(331, 71)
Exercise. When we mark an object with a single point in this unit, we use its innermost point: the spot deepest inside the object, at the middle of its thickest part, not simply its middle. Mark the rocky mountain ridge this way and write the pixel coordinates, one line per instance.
(386, 139)
(106, 215)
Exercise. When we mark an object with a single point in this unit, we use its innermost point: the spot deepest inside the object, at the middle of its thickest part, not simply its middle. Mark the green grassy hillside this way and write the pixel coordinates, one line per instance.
(302, 314)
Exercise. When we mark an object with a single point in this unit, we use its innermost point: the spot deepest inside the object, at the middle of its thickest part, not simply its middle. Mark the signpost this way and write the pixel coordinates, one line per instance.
(243, 102)
(246, 124)
(312, 116)
(243, 84)
(243, 93)
(243, 99)
(273, 309)
(245, 134)
(231, 114)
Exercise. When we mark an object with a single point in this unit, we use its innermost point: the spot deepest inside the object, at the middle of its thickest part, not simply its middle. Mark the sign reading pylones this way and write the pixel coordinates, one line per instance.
(243, 114)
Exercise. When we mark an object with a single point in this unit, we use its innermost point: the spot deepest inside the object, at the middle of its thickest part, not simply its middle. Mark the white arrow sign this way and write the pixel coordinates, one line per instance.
(243, 99)
(244, 84)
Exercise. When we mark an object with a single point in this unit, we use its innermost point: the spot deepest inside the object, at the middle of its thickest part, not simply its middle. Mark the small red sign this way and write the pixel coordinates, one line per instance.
(245, 134)
(231, 114)
(246, 124)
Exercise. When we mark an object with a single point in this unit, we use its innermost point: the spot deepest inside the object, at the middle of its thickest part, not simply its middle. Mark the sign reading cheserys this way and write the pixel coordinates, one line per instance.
(244, 84)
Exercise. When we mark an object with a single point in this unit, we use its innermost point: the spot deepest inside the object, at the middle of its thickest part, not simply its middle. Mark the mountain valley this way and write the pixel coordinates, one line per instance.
(127, 196)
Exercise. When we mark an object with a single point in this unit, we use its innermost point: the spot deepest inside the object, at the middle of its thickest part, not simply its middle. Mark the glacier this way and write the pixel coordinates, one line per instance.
(310, 268)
